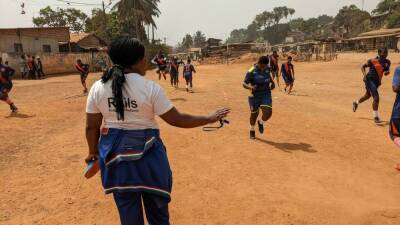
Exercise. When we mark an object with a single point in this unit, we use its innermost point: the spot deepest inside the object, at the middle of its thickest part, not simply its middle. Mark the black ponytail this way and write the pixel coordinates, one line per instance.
(124, 53)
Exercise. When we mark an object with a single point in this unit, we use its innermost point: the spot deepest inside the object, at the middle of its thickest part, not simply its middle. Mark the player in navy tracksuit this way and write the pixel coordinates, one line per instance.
(6, 73)
(378, 67)
(259, 81)
(287, 72)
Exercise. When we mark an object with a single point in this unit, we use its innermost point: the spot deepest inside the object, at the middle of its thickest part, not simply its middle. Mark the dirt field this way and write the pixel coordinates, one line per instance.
(318, 163)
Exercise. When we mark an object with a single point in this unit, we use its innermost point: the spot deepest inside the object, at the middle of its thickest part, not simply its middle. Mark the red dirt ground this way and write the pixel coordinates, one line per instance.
(318, 163)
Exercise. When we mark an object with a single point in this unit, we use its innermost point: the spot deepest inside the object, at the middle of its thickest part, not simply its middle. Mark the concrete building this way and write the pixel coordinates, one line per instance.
(372, 40)
(32, 40)
(83, 42)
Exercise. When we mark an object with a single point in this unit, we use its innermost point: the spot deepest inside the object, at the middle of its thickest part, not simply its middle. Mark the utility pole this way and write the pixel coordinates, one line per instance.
(363, 4)
(104, 14)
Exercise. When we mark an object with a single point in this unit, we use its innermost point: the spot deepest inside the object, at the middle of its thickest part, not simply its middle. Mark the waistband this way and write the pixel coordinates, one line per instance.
(136, 133)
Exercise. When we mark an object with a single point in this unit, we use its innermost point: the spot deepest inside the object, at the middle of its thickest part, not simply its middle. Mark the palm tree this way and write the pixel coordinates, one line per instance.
(142, 12)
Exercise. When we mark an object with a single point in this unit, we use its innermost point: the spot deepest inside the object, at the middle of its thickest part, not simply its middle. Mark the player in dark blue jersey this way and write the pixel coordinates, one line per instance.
(6, 73)
(394, 130)
(259, 81)
(378, 67)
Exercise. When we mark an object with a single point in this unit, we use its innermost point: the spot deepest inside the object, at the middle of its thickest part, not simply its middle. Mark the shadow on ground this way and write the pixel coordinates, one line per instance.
(290, 147)
(179, 99)
(382, 124)
(19, 115)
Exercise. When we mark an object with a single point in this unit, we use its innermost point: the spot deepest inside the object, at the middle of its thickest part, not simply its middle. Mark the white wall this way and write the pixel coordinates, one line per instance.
(31, 45)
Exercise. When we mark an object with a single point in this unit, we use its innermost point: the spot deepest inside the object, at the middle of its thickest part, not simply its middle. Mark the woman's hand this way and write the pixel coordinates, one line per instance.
(91, 157)
(218, 115)
(272, 85)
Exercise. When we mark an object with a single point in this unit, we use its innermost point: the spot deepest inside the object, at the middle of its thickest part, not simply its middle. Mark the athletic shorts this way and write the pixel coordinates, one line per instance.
(372, 87)
(188, 77)
(288, 79)
(6, 87)
(162, 68)
(174, 75)
(274, 73)
(394, 129)
(83, 77)
(256, 102)
(4, 90)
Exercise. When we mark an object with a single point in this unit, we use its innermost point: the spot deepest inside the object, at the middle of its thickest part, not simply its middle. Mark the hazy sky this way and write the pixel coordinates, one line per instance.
(216, 18)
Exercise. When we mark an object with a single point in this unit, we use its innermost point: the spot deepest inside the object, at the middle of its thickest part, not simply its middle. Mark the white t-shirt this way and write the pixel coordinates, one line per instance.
(144, 99)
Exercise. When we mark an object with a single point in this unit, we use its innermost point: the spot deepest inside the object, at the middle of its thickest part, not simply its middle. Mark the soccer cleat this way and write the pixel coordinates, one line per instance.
(260, 127)
(355, 106)
(252, 134)
(13, 108)
(377, 120)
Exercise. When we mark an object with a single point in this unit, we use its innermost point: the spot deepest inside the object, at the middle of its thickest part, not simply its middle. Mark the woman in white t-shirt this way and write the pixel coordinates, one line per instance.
(132, 158)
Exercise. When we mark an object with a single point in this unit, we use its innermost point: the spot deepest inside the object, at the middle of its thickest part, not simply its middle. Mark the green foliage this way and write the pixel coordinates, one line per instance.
(237, 36)
(393, 21)
(187, 42)
(352, 19)
(199, 40)
(73, 18)
(137, 13)
(105, 26)
(387, 6)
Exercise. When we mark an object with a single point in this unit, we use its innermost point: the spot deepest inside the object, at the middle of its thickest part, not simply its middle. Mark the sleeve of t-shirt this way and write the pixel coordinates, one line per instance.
(160, 101)
(369, 63)
(91, 102)
(396, 77)
(247, 79)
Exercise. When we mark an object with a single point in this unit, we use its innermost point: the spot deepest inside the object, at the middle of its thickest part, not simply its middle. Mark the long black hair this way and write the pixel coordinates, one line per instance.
(124, 52)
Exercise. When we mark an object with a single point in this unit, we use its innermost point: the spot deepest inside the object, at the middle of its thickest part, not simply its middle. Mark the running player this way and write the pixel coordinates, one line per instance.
(161, 63)
(6, 73)
(274, 65)
(258, 79)
(377, 68)
(129, 149)
(188, 71)
(174, 71)
(394, 130)
(83, 69)
(287, 72)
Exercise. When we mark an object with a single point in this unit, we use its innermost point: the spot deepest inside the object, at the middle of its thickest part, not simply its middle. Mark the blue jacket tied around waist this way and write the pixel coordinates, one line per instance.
(136, 161)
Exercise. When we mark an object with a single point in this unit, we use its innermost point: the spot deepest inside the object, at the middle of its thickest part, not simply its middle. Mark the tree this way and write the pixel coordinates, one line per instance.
(352, 19)
(387, 6)
(73, 18)
(199, 40)
(187, 42)
(107, 29)
(297, 24)
(393, 21)
(138, 13)
(282, 12)
(237, 36)
(325, 19)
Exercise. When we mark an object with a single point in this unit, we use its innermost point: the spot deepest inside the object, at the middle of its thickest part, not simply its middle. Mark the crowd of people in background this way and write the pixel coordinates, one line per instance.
(31, 67)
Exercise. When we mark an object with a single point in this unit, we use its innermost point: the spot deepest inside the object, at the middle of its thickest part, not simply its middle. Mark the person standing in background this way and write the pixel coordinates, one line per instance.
(31, 67)
(23, 67)
(39, 68)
